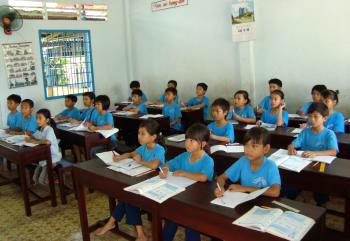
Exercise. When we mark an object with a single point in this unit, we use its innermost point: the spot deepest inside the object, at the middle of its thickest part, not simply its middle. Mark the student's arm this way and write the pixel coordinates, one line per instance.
(105, 127)
(124, 156)
(273, 191)
(331, 152)
(220, 138)
(280, 117)
(244, 120)
(196, 106)
(39, 142)
(291, 150)
(221, 180)
(154, 164)
(199, 177)
(174, 122)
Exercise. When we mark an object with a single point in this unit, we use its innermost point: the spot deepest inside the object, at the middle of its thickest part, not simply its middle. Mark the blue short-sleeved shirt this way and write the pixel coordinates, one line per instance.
(144, 97)
(173, 111)
(73, 113)
(157, 153)
(205, 165)
(162, 98)
(141, 106)
(28, 124)
(88, 114)
(102, 120)
(305, 107)
(226, 130)
(307, 140)
(245, 112)
(13, 119)
(266, 176)
(335, 122)
(49, 134)
(272, 119)
(193, 101)
(265, 103)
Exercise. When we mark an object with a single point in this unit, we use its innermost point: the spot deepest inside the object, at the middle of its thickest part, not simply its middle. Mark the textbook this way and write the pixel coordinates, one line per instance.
(80, 127)
(108, 133)
(296, 116)
(230, 148)
(18, 140)
(3, 134)
(291, 162)
(267, 126)
(124, 113)
(151, 116)
(159, 190)
(287, 225)
(233, 199)
(127, 166)
(177, 138)
(156, 106)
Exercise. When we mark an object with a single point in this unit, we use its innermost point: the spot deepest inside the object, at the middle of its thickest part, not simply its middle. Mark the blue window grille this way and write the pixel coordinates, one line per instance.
(66, 60)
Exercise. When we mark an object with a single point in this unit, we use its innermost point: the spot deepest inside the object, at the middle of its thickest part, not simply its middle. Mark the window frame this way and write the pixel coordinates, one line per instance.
(91, 66)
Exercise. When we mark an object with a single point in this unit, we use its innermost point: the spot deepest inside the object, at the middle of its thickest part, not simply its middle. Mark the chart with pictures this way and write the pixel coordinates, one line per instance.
(20, 65)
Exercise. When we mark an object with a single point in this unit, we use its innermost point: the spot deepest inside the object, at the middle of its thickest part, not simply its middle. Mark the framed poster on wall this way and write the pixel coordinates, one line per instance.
(243, 21)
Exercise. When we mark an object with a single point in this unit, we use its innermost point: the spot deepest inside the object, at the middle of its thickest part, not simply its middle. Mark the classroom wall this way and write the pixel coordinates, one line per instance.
(108, 52)
(301, 42)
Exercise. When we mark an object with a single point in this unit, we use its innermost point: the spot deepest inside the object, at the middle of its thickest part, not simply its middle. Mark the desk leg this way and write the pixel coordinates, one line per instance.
(87, 149)
(347, 217)
(24, 187)
(82, 211)
(156, 226)
(51, 182)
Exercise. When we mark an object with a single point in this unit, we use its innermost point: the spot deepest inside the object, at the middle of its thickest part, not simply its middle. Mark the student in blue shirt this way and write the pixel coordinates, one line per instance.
(137, 106)
(221, 129)
(275, 115)
(242, 110)
(162, 98)
(26, 123)
(71, 112)
(45, 135)
(253, 171)
(274, 84)
(135, 85)
(14, 116)
(200, 101)
(335, 120)
(316, 98)
(89, 113)
(314, 141)
(172, 110)
(194, 164)
(149, 154)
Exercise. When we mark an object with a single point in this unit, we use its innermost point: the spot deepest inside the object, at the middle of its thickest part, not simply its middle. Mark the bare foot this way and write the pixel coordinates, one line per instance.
(108, 226)
(143, 238)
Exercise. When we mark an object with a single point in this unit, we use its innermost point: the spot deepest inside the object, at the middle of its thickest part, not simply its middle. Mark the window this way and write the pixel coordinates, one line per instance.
(66, 62)
(60, 11)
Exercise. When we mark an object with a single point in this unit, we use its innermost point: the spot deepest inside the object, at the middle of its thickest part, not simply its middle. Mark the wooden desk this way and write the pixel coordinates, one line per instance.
(85, 139)
(334, 181)
(25, 156)
(192, 209)
(296, 121)
(283, 136)
(94, 174)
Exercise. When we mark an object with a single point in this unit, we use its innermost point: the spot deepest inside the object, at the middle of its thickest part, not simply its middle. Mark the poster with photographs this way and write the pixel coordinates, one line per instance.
(243, 21)
(20, 65)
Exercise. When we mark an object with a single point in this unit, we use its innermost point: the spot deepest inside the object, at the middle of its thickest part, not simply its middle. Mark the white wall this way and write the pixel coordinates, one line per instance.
(108, 52)
(301, 42)
(190, 44)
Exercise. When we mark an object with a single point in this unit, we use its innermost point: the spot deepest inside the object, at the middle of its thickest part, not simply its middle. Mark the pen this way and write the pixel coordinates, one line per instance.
(161, 170)
(315, 164)
(217, 184)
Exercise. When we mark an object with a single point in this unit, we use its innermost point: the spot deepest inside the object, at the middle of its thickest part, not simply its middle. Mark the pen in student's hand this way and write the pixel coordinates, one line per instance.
(114, 153)
(161, 170)
(217, 184)
(315, 164)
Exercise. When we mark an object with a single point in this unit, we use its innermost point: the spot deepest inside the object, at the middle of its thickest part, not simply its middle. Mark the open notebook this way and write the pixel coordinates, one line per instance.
(294, 163)
(151, 116)
(18, 140)
(160, 190)
(104, 133)
(287, 225)
(233, 199)
(230, 148)
(177, 138)
(267, 126)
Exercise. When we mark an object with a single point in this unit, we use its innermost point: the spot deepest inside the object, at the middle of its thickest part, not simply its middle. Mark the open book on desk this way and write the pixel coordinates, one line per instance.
(18, 140)
(229, 148)
(287, 225)
(291, 162)
(177, 138)
(147, 116)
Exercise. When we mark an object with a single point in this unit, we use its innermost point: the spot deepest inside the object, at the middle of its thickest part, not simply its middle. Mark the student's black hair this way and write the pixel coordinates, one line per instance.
(331, 94)
(134, 84)
(276, 82)
(318, 88)
(174, 82)
(152, 127)
(279, 93)
(203, 85)
(258, 135)
(222, 103)
(172, 90)
(198, 132)
(318, 107)
(15, 98)
(47, 114)
(137, 92)
(91, 95)
(104, 100)
(73, 98)
(29, 102)
(245, 95)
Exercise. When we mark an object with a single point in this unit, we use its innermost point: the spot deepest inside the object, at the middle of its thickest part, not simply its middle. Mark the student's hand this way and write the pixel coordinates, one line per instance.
(259, 123)
(28, 139)
(219, 193)
(118, 158)
(74, 121)
(179, 173)
(303, 126)
(236, 188)
(88, 124)
(137, 158)
(183, 104)
(164, 174)
(92, 127)
(282, 105)
(308, 154)
(291, 150)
